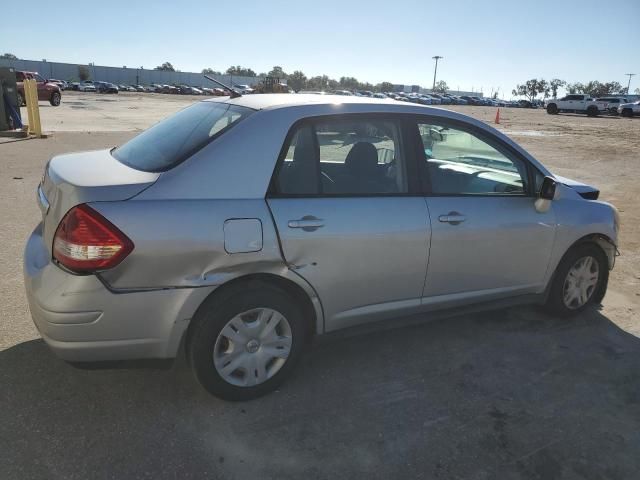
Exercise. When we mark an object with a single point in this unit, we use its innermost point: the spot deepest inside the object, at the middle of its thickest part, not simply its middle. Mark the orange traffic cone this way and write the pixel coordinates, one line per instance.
(498, 116)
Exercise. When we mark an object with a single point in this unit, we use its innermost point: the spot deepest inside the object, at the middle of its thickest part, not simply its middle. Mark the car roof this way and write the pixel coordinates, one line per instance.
(282, 100)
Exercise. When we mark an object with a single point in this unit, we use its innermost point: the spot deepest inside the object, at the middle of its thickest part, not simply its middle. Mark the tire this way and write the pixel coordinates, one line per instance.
(627, 112)
(55, 98)
(211, 344)
(21, 102)
(558, 302)
(592, 111)
(552, 109)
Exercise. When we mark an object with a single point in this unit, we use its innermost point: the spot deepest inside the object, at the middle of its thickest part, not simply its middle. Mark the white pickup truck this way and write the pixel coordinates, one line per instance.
(576, 103)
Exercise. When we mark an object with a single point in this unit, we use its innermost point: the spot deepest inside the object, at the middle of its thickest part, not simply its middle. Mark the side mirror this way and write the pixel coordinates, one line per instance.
(435, 135)
(548, 189)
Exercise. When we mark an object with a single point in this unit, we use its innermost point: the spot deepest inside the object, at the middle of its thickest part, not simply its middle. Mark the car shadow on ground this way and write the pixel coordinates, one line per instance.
(502, 394)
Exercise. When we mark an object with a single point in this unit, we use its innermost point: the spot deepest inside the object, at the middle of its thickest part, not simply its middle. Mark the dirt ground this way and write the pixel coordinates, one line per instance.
(510, 394)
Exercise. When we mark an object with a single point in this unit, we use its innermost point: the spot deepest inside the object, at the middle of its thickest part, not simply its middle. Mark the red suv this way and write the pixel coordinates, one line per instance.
(46, 90)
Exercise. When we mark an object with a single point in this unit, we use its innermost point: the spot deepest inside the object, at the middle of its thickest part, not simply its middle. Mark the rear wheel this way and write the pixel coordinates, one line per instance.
(592, 111)
(580, 280)
(246, 342)
(552, 109)
(55, 99)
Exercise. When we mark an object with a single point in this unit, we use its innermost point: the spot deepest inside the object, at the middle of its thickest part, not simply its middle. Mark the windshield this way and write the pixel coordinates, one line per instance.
(173, 140)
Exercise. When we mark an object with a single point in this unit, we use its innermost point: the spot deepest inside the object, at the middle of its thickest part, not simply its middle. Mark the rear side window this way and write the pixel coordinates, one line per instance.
(357, 156)
(176, 138)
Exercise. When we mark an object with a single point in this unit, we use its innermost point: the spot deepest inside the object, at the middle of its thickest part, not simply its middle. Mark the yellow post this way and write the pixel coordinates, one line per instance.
(33, 110)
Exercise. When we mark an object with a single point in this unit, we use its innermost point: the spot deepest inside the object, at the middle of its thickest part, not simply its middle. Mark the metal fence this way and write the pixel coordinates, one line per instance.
(124, 75)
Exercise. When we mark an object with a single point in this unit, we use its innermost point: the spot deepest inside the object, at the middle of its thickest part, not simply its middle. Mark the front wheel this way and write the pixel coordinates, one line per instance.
(552, 109)
(580, 280)
(54, 100)
(627, 112)
(246, 342)
(592, 111)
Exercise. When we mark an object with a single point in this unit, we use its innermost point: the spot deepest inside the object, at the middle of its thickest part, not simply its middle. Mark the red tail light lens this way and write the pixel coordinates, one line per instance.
(85, 241)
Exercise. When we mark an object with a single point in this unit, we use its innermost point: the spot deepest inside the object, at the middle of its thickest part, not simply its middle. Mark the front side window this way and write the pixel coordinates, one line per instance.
(178, 137)
(460, 163)
(351, 156)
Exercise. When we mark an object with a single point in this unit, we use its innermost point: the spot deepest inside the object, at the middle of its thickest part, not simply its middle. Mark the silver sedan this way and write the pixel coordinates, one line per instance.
(243, 227)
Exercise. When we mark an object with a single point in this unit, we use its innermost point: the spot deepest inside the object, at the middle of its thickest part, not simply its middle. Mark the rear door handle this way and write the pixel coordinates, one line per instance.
(307, 223)
(454, 218)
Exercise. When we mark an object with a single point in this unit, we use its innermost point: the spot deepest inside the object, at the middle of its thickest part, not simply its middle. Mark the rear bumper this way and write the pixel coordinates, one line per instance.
(83, 321)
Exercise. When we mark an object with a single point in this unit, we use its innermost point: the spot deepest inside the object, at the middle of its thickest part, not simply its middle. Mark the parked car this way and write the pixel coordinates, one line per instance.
(345, 93)
(526, 104)
(243, 89)
(86, 86)
(304, 230)
(612, 103)
(47, 91)
(433, 100)
(169, 89)
(444, 100)
(472, 100)
(457, 100)
(61, 83)
(105, 87)
(629, 109)
(576, 103)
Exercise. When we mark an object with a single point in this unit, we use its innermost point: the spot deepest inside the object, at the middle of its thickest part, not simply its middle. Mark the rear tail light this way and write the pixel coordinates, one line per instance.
(85, 241)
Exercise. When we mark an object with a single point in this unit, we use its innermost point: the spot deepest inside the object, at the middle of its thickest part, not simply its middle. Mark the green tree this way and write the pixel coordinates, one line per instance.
(365, 86)
(277, 72)
(575, 88)
(349, 83)
(210, 71)
(385, 87)
(240, 71)
(83, 73)
(441, 87)
(166, 67)
(8, 56)
(297, 80)
(531, 89)
(637, 90)
(320, 82)
(596, 88)
(554, 84)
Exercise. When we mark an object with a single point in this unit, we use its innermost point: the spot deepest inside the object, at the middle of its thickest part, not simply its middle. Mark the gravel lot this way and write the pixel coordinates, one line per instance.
(504, 394)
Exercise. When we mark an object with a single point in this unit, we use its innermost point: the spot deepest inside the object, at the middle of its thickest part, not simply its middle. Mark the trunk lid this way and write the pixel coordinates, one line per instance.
(84, 177)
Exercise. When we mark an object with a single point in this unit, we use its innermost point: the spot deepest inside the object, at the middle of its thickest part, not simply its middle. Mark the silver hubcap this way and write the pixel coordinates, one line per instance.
(581, 282)
(252, 347)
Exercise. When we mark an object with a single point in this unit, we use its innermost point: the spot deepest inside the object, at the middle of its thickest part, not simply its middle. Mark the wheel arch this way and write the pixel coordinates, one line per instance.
(312, 310)
(600, 240)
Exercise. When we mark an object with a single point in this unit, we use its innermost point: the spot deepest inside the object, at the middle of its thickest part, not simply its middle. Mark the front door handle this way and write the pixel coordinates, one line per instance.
(453, 218)
(308, 223)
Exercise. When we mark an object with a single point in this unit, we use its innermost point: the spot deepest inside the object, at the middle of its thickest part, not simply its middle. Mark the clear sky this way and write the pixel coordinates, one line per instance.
(485, 44)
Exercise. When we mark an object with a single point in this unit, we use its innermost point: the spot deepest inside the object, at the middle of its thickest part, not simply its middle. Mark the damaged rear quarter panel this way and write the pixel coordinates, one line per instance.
(180, 243)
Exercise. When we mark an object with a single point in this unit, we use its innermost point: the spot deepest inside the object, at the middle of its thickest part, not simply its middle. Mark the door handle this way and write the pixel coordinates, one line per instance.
(453, 218)
(307, 223)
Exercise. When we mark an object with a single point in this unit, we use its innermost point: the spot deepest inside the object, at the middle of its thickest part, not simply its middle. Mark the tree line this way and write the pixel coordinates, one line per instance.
(534, 87)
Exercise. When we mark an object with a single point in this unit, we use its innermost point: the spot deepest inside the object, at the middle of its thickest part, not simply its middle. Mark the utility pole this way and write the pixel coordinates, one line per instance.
(435, 71)
(629, 83)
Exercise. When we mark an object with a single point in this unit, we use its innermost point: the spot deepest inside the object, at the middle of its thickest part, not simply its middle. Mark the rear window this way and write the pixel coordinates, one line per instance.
(176, 138)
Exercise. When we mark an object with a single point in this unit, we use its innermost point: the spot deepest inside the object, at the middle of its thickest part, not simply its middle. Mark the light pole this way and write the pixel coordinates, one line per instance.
(435, 71)
(629, 83)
